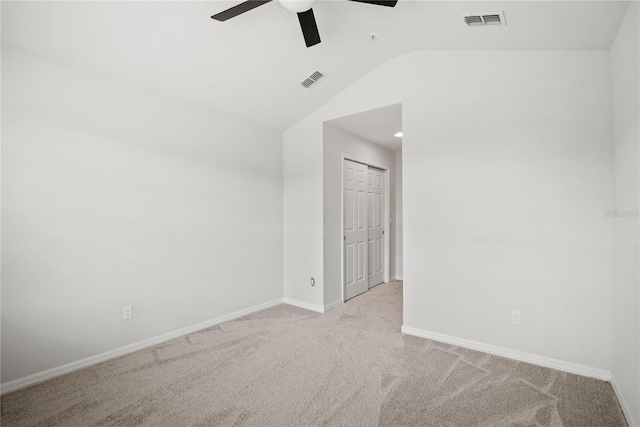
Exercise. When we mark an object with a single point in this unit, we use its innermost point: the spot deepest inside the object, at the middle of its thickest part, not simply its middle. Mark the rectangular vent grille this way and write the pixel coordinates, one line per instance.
(473, 20)
(485, 19)
(492, 20)
(312, 79)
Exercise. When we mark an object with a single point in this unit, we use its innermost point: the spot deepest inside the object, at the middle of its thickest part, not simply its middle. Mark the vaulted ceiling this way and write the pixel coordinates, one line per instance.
(251, 66)
(378, 126)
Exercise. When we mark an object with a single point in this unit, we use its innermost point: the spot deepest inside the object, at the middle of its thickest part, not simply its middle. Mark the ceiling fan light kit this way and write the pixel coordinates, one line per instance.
(297, 6)
(304, 9)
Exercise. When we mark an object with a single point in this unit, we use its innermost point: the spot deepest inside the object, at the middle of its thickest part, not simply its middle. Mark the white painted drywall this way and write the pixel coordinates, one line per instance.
(507, 170)
(625, 73)
(336, 143)
(398, 217)
(114, 196)
(302, 174)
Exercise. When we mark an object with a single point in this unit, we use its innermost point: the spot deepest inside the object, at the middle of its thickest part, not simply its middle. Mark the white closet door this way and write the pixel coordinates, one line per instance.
(355, 229)
(375, 226)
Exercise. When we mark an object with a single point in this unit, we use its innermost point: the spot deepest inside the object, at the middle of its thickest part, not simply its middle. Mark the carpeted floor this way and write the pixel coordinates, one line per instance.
(286, 366)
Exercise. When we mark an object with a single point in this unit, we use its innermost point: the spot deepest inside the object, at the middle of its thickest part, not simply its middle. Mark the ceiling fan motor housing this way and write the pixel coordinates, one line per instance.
(302, 7)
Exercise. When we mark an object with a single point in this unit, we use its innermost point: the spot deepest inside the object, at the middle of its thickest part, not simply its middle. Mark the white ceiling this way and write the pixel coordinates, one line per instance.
(251, 66)
(377, 126)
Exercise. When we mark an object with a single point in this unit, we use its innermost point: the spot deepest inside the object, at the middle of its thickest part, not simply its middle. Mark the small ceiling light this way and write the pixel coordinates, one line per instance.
(398, 135)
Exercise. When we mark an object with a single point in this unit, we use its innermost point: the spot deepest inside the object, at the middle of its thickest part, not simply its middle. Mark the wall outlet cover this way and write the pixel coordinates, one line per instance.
(516, 317)
(127, 312)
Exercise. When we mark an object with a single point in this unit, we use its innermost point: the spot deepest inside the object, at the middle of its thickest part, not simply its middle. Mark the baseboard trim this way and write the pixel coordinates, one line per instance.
(623, 403)
(305, 305)
(140, 345)
(396, 278)
(522, 356)
(332, 305)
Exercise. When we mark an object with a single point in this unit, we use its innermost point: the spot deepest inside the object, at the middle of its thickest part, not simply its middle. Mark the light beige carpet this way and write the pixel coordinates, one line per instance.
(286, 366)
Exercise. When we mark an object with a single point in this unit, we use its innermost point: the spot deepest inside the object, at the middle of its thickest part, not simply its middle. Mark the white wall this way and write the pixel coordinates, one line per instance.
(625, 70)
(336, 143)
(507, 170)
(302, 172)
(114, 196)
(398, 217)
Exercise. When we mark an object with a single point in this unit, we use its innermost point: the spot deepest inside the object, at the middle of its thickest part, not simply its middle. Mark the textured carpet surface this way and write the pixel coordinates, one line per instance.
(289, 366)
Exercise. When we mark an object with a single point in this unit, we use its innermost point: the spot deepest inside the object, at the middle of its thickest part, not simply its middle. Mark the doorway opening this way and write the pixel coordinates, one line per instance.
(362, 218)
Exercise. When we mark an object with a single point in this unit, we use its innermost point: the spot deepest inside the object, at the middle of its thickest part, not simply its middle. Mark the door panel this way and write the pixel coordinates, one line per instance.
(356, 230)
(361, 211)
(348, 206)
(375, 193)
(361, 264)
(349, 262)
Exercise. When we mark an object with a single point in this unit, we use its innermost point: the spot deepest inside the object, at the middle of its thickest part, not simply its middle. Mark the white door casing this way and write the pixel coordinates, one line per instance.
(375, 226)
(355, 229)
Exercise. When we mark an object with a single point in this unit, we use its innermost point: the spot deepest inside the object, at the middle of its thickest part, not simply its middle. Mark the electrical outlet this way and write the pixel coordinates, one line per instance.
(516, 317)
(127, 312)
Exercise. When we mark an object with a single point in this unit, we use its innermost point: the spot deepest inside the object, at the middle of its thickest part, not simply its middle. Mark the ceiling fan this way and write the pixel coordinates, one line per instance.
(302, 7)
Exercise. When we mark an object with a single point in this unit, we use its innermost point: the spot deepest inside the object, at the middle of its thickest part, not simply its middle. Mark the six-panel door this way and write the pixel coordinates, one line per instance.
(363, 210)
(355, 229)
(375, 226)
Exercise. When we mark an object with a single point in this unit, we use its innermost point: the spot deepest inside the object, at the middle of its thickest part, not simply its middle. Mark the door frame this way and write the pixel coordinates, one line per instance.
(387, 213)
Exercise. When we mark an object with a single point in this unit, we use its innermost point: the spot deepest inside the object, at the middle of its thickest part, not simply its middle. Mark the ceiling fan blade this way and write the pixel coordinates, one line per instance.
(389, 3)
(309, 27)
(239, 9)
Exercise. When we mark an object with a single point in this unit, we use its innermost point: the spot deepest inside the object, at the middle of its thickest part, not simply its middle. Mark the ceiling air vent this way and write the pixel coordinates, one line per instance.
(473, 20)
(312, 79)
(485, 19)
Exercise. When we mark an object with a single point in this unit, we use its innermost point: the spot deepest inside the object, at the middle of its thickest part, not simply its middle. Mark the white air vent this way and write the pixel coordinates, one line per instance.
(473, 20)
(485, 19)
(312, 79)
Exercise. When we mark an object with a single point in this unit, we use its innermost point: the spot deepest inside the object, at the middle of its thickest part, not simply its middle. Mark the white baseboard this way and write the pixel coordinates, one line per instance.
(623, 403)
(312, 307)
(396, 278)
(331, 305)
(534, 359)
(305, 305)
(112, 354)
